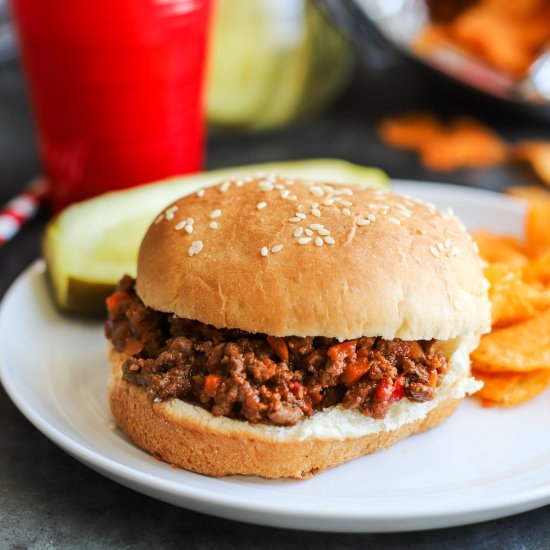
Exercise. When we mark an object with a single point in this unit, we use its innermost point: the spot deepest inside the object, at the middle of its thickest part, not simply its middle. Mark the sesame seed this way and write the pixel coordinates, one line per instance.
(180, 225)
(277, 248)
(373, 206)
(328, 202)
(308, 232)
(301, 215)
(159, 218)
(216, 213)
(395, 221)
(292, 197)
(316, 191)
(448, 243)
(285, 193)
(195, 248)
(319, 241)
(434, 251)
(346, 211)
(328, 188)
(261, 205)
(298, 232)
(189, 229)
(323, 231)
(316, 212)
(458, 305)
(266, 186)
(200, 193)
(476, 248)
(440, 247)
(362, 221)
(240, 183)
(169, 215)
(290, 182)
(346, 203)
(316, 226)
(279, 186)
(406, 213)
(314, 205)
(213, 225)
(295, 219)
(371, 218)
(304, 240)
(190, 221)
(264, 251)
(455, 251)
(329, 240)
(225, 186)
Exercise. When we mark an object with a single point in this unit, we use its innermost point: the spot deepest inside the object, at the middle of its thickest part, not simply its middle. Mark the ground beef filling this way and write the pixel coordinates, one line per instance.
(262, 378)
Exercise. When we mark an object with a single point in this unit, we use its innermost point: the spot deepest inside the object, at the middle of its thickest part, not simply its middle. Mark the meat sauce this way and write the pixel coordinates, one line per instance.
(262, 378)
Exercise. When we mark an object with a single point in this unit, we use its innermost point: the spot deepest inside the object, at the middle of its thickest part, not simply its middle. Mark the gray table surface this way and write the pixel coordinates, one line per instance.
(48, 499)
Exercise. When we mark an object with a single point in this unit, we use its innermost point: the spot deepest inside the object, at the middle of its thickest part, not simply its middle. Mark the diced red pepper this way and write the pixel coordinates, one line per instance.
(211, 384)
(278, 345)
(340, 352)
(398, 389)
(386, 391)
(354, 371)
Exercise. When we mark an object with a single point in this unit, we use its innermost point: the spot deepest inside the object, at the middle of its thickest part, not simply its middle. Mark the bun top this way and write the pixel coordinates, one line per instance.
(292, 257)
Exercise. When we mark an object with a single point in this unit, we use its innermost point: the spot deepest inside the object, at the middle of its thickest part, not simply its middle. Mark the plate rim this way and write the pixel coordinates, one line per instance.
(264, 513)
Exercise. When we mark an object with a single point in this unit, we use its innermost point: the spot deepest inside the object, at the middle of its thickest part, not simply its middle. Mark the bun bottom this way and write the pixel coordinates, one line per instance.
(182, 439)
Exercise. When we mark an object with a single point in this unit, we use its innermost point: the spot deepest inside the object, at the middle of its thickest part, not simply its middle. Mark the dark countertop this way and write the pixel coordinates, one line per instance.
(48, 499)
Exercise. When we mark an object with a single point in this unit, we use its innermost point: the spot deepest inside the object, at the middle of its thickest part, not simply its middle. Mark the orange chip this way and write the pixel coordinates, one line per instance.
(465, 144)
(537, 154)
(509, 389)
(529, 193)
(496, 248)
(408, 131)
(521, 347)
(539, 297)
(538, 270)
(509, 295)
(537, 228)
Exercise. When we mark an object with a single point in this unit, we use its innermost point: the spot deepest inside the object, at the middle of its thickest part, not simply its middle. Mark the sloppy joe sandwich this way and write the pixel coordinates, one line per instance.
(279, 327)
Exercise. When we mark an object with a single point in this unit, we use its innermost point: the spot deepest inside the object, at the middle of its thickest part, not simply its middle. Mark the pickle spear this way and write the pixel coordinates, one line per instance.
(91, 244)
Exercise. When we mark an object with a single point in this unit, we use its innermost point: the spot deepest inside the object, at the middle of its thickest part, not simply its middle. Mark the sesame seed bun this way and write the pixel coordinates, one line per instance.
(287, 257)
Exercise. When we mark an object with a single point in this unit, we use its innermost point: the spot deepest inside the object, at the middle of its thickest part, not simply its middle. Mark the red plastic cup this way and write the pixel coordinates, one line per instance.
(116, 88)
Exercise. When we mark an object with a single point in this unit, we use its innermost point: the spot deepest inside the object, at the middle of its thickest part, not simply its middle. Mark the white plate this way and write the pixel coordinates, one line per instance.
(480, 464)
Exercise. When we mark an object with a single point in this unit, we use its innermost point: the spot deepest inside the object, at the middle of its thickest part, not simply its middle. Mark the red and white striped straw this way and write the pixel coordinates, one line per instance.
(21, 209)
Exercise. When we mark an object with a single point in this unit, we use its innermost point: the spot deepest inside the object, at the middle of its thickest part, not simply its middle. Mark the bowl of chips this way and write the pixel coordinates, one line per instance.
(498, 46)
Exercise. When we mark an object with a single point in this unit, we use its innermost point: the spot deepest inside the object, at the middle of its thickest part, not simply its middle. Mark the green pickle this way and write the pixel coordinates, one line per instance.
(91, 244)
(272, 62)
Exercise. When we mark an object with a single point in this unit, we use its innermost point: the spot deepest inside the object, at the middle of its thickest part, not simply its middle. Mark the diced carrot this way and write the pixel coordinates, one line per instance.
(114, 299)
(432, 381)
(278, 345)
(133, 346)
(354, 371)
(211, 385)
(339, 352)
